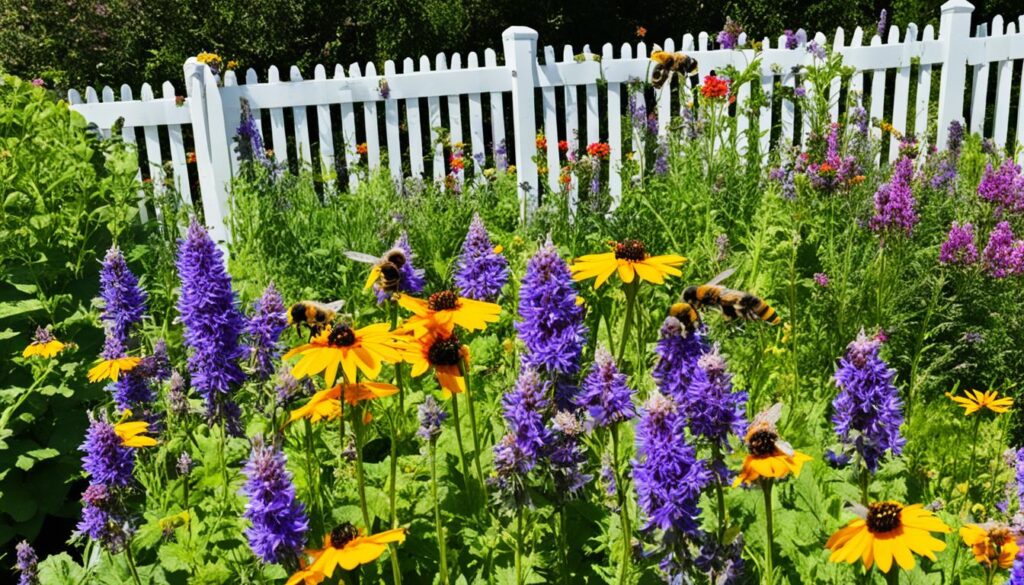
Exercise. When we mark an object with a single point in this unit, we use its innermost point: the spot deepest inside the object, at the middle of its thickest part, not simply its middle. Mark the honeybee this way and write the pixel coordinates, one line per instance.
(665, 64)
(763, 438)
(734, 304)
(313, 314)
(387, 269)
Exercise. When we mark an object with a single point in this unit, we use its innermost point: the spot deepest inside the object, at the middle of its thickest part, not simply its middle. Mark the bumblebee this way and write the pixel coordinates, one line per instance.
(734, 304)
(387, 270)
(686, 314)
(313, 314)
(665, 64)
(762, 437)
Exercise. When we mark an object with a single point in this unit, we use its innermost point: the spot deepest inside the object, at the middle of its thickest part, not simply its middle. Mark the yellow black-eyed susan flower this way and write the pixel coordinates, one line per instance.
(326, 404)
(975, 400)
(444, 310)
(991, 543)
(885, 531)
(363, 350)
(630, 259)
(442, 352)
(44, 345)
(110, 369)
(345, 547)
(131, 433)
(768, 456)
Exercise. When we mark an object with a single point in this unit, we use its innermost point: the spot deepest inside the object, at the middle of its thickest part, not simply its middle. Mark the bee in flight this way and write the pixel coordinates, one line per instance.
(387, 269)
(734, 304)
(665, 64)
(314, 315)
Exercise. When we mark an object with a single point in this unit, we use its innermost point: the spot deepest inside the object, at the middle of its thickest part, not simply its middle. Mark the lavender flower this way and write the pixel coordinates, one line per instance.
(817, 50)
(595, 175)
(1017, 571)
(723, 562)
(959, 248)
(955, 139)
(212, 322)
(160, 362)
(678, 353)
(551, 325)
(605, 394)
(124, 304)
(177, 400)
(837, 459)
(883, 23)
(501, 157)
(26, 564)
(1002, 253)
(287, 386)
(523, 409)
(279, 521)
(713, 410)
(894, 201)
(729, 37)
(661, 166)
(411, 280)
(268, 321)
(868, 411)
(184, 464)
(481, 271)
(249, 142)
(1003, 187)
(101, 521)
(511, 466)
(432, 417)
(821, 279)
(786, 178)
(859, 118)
(565, 456)
(792, 40)
(669, 478)
(106, 460)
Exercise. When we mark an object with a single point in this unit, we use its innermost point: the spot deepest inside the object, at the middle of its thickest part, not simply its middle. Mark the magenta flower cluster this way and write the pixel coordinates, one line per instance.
(1003, 187)
(1003, 254)
(895, 205)
(959, 248)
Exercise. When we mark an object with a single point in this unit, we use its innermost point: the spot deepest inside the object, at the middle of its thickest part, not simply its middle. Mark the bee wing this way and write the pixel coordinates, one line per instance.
(335, 305)
(859, 510)
(785, 447)
(360, 257)
(771, 415)
(722, 276)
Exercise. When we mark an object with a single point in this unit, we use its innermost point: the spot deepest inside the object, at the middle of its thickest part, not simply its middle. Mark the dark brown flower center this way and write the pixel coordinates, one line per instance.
(762, 443)
(884, 517)
(343, 534)
(445, 352)
(445, 300)
(341, 336)
(632, 250)
(1000, 535)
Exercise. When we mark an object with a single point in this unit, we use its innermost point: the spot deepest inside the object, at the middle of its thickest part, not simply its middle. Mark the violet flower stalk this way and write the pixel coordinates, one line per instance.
(264, 329)
(605, 394)
(868, 411)
(883, 23)
(959, 248)
(1003, 187)
(279, 521)
(678, 352)
(729, 36)
(26, 564)
(1003, 255)
(411, 280)
(792, 40)
(432, 418)
(124, 306)
(481, 271)
(566, 456)
(894, 201)
(109, 465)
(522, 449)
(213, 324)
(713, 410)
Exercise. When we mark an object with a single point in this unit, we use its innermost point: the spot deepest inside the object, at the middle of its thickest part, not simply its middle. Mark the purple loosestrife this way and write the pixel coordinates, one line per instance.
(411, 280)
(868, 411)
(106, 460)
(669, 477)
(101, 521)
(481, 271)
(712, 409)
(604, 393)
(816, 49)
(959, 248)
(551, 325)
(729, 36)
(124, 306)
(264, 328)
(432, 418)
(26, 564)
(678, 352)
(1003, 255)
(565, 456)
(213, 324)
(894, 201)
(821, 279)
(279, 522)
(661, 166)
(1003, 187)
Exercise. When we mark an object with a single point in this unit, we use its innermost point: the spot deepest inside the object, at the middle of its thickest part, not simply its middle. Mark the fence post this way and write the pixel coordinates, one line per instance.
(520, 44)
(212, 147)
(955, 33)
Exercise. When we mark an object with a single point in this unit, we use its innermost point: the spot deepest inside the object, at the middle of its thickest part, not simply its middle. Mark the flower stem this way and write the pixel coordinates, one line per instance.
(442, 546)
(716, 458)
(311, 481)
(970, 466)
(357, 427)
(620, 492)
(398, 366)
(563, 543)
(464, 369)
(769, 546)
(458, 439)
(131, 563)
(395, 567)
(519, 546)
(865, 479)
(627, 327)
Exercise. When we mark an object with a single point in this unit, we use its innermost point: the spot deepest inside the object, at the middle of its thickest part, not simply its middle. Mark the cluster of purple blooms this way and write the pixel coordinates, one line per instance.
(522, 449)
(26, 563)
(944, 165)
(1003, 254)
(279, 521)
(815, 48)
(481, 271)
(883, 23)
(264, 329)
(1003, 187)
(124, 306)
(786, 178)
(835, 170)
(639, 116)
(729, 36)
(249, 142)
(213, 325)
(661, 153)
(411, 280)
(431, 417)
(867, 412)
(109, 465)
(959, 248)
(1017, 571)
(565, 455)
(895, 205)
(793, 38)
(604, 394)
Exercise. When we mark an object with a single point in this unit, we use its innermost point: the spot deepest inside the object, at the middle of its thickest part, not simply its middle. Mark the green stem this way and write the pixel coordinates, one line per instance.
(458, 439)
(519, 546)
(398, 366)
(716, 456)
(442, 546)
(865, 479)
(970, 467)
(357, 427)
(396, 569)
(769, 572)
(131, 564)
(627, 327)
(563, 544)
(464, 370)
(620, 491)
(311, 481)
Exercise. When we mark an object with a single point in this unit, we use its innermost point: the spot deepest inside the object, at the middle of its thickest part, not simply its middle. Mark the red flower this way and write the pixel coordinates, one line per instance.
(542, 142)
(361, 148)
(599, 149)
(563, 145)
(714, 87)
(565, 177)
(190, 158)
(641, 32)
(457, 163)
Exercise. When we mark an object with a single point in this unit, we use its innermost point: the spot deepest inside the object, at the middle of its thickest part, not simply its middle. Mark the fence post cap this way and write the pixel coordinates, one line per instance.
(516, 33)
(958, 6)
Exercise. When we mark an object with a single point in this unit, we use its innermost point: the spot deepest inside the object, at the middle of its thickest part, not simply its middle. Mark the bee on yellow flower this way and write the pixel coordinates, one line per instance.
(347, 548)
(768, 456)
(992, 543)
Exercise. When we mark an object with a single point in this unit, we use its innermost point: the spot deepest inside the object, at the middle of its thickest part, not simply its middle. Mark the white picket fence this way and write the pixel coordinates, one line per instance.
(500, 104)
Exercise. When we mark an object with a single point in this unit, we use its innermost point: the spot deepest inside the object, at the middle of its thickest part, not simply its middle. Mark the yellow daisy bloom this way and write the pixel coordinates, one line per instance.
(326, 404)
(131, 433)
(344, 547)
(887, 531)
(768, 456)
(991, 543)
(111, 369)
(443, 353)
(630, 259)
(44, 344)
(362, 349)
(976, 400)
(444, 310)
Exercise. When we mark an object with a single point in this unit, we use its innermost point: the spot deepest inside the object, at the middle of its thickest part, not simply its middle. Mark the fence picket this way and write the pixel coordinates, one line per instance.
(1004, 79)
(128, 135)
(434, 110)
(924, 88)
(391, 129)
(153, 155)
(901, 93)
(371, 124)
(614, 128)
(303, 146)
(476, 125)
(764, 120)
(979, 89)
(325, 132)
(497, 112)
(548, 101)
(857, 80)
(179, 162)
(349, 138)
(412, 120)
(593, 112)
(877, 110)
(277, 129)
(663, 97)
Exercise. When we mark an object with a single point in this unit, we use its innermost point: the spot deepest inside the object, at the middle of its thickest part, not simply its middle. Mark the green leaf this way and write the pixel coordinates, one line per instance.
(60, 569)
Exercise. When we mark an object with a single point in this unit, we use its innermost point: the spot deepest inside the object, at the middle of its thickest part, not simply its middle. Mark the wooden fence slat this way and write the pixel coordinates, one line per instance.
(128, 135)
(325, 132)
(663, 97)
(497, 111)
(371, 125)
(549, 104)
(303, 146)
(476, 125)
(277, 128)
(412, 118)
(979, 97)
(901, 93)
(1004, 79)
(434, 110)
(923, 93)
(615, 128)
(593, 111)
(179, 164)
(392, 131)
(572, 124)
(153, 155)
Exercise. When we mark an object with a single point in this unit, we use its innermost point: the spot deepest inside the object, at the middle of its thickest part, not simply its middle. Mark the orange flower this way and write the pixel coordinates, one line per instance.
(641, 32)
(326, 404)
(563, 145)
(344, 547)
(542, 142)
(444, 310)
(361, 148)
(714, 87)
(599, 149)
(991, 543)
(443, 352)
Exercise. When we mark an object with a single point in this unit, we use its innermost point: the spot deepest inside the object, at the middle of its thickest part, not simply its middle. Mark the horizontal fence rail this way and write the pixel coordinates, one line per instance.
(494, 104)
